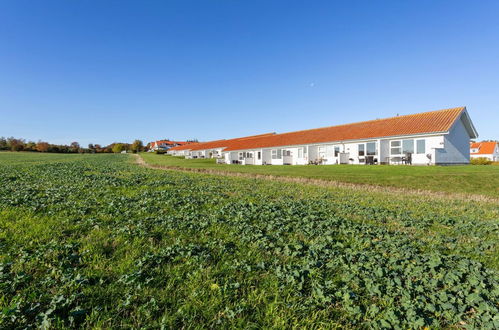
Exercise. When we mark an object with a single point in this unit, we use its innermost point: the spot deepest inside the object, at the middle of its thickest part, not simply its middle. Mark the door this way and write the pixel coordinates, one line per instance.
(322, 153)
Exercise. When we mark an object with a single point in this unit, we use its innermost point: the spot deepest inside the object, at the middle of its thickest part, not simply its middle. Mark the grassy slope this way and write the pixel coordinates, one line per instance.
(483, 180)
(123, 246)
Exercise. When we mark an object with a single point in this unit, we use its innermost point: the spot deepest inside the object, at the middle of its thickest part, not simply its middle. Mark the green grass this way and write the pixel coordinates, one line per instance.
(470, 179)
(95, 241)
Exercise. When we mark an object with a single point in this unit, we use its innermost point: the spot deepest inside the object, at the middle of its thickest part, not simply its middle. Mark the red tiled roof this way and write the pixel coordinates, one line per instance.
(484, 148)
(225, 143)
(186, 146)
(427, 122)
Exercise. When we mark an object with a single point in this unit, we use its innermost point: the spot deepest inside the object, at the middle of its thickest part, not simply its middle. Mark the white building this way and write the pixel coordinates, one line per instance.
(489, 150)
(430, 138)
(438, 137)
(212, 149)
(164, 145)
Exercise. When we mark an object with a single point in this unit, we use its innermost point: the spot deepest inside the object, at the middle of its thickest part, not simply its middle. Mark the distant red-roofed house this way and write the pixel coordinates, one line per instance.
(165, 144)
(489, 150)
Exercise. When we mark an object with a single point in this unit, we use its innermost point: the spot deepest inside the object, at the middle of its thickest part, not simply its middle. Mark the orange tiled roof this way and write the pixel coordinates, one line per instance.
(226, 143)
(484, 148)
(427, 122)
(186, 146)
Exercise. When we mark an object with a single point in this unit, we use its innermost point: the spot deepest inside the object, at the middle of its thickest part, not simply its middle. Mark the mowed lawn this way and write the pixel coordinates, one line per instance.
(470, 179)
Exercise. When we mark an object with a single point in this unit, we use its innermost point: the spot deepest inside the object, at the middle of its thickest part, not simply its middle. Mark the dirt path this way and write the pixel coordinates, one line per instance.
(429, 194)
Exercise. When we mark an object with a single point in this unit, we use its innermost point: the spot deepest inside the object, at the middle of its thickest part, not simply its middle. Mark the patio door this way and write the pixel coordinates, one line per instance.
(322, 152)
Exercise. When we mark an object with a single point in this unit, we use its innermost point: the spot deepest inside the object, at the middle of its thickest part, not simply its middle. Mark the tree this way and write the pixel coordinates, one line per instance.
(137, 146)
(15, 144)
(30, 146)
(42, 146)
(3, 144)
(117, 148)
(74, 147)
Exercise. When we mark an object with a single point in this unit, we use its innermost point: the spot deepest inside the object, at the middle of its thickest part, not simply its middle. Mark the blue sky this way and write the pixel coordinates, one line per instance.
(105, 71)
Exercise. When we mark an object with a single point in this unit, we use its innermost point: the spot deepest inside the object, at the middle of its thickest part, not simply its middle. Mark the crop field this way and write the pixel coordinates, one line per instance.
(97, 241)
(469, 179)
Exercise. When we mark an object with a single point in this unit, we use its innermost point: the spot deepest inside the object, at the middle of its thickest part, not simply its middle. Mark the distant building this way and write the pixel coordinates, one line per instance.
(211, 149)
(431, 138)
(489, 150)
(165, 145)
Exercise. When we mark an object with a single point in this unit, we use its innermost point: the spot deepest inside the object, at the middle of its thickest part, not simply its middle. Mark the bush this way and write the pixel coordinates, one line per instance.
(117, 148)
(480, 161)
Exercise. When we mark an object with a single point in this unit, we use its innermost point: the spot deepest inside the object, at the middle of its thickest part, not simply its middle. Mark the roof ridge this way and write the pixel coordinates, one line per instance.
(374, 120)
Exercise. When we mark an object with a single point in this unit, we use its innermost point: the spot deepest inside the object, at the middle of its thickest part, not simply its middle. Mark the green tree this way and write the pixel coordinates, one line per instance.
(137, 146)
(3, 143)
(117, 148)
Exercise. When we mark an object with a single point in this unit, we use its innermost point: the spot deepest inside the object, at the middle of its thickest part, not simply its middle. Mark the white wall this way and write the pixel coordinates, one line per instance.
(488, 156)
(452, 148)
(456, 146)
(432, 143)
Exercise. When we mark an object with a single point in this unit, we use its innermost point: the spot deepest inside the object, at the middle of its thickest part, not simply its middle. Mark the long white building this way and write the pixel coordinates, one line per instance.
(434, 138)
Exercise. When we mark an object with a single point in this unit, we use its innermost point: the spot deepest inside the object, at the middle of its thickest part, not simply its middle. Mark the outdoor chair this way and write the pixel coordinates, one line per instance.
(407, 159)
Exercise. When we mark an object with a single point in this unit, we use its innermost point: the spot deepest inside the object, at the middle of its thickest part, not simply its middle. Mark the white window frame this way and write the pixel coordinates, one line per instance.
(276, 153)
(424, 146)
(399, 146)
(375, 148)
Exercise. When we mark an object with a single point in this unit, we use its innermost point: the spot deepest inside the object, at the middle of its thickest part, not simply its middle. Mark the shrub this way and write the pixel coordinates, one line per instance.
(117, 148)
(480, 161)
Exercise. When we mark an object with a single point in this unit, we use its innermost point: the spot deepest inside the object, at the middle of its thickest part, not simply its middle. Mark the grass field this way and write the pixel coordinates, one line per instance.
(97, 241)
(482, 180)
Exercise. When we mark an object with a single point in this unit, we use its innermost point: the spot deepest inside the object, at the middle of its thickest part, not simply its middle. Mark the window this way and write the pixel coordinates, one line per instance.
(302, 152)
(276, 153)
(361, 149)
(395, 148)
(408, 146)
(286, 152)
(336, 151)
(371, 148)
(420, 146)
(241, 156)
(259, 155)
(249, 155)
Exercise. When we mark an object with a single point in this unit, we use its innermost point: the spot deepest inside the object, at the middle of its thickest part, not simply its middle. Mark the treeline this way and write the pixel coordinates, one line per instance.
(13, 144)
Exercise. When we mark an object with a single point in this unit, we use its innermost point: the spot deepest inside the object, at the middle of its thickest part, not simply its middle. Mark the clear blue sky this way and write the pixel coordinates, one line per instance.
(105, 71)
